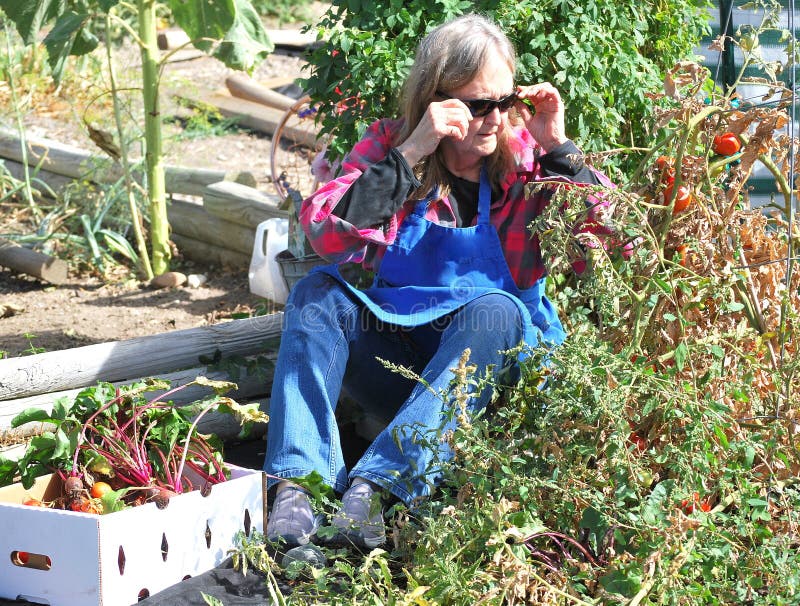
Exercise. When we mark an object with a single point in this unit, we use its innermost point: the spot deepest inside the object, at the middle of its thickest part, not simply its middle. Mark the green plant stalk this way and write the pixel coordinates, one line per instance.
(20, 128)
(154, 158)
(136, 218)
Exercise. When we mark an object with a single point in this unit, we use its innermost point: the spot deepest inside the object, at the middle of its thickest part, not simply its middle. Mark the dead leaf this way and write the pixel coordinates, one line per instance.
(10, 309)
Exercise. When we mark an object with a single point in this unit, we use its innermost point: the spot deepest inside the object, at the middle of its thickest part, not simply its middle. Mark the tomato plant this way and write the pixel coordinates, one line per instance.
(726, 144)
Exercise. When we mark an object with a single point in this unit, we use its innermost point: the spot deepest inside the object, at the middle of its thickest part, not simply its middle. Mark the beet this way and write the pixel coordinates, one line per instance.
(160, 496)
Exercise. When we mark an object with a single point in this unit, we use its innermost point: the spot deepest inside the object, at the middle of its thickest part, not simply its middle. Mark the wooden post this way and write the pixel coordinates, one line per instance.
(244, 87)
(77, 163)
(144, 356)
(192, 248)
(256, 116)
(27, 261)
(241, 204)
(189, 218)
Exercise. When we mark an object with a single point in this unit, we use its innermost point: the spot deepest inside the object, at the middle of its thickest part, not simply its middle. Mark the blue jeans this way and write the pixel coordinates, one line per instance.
(330, 342)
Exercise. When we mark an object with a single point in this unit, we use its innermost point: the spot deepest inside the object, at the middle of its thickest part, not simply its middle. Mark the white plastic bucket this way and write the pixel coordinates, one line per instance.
(272, 236)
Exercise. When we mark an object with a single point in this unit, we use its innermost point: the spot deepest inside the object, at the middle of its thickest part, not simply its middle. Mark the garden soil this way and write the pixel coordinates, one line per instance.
(36, 316)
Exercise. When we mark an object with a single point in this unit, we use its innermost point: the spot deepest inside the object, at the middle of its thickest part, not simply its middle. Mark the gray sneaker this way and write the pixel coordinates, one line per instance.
(360, 520)
(292, 520)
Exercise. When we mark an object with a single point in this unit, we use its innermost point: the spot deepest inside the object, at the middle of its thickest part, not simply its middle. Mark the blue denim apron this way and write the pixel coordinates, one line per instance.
(431, 270)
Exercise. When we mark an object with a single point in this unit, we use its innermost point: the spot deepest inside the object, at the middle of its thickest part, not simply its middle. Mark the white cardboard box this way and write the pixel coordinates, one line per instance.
(77, 559)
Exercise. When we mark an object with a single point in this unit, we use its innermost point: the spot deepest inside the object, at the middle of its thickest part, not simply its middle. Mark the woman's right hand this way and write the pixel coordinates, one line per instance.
(449, 118)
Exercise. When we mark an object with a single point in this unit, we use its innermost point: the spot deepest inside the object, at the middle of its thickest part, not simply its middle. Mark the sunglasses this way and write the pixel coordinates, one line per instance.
(484, 107)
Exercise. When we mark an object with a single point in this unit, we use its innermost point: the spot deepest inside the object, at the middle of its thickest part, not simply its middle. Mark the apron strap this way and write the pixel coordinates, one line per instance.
(421, 207)
(484, 197)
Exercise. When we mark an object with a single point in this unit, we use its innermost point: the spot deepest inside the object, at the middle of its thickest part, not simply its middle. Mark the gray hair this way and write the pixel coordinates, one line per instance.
(449, 57)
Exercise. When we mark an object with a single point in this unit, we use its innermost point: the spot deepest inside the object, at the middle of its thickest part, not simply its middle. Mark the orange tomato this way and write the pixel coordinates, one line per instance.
(100, 489)
(682, 249)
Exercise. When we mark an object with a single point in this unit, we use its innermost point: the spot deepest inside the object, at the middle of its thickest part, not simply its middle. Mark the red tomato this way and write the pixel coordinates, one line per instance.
(666, 167)
(636, 440)
(683, 197)
(100, 489)
(726, 144)
(688, 506)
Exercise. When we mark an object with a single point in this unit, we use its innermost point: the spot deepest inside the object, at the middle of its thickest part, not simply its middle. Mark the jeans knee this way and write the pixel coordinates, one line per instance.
(492, 314)
(316, 301)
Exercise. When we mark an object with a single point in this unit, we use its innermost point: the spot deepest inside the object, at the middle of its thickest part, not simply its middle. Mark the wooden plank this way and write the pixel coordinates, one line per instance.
(190, 219)
(279, 81)
(173, 38)
(144, 356)
(244, 87)
(254, 116)
(198, 250)
(27, 261)
(71, 161)
(248, 387)
(294, 38)
(241, 204)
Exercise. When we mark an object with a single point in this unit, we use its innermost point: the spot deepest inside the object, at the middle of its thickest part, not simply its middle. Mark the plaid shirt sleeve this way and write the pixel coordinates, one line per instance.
(331, 236)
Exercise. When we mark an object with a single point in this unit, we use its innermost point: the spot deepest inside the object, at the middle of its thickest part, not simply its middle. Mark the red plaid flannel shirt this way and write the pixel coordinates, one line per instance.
(341, 242)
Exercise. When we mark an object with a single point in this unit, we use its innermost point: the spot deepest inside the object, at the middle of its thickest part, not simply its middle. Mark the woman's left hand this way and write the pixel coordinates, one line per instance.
(546, 122)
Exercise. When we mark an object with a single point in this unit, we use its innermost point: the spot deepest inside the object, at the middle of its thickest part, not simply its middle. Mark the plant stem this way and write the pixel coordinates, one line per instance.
(37, 213)
(154, 160)
(136, 218)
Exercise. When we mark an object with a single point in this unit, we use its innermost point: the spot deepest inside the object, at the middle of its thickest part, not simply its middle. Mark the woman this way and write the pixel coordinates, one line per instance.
(435, 203)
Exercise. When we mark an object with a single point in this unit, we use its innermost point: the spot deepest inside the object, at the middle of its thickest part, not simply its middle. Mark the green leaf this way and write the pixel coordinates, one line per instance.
(723, 439)
(112, 500)
(205, 21)
(626, 583)
(681, 353)
(66, 38)
(30, 16)
(246, 44)
(118, 244)
(234, 24)
(64, 445)
(8, 471)
(219, 387)
(99, 464)
(662, 284)
(31, 415)
(244, 413)
(211, 600)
